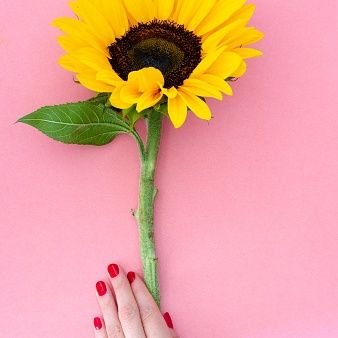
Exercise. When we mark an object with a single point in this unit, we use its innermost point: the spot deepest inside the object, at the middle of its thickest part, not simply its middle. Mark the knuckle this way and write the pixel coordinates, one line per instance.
(106, 305)
(115, 331)
(148, 313)
(128, 312)
(119, 284)
(105, 302)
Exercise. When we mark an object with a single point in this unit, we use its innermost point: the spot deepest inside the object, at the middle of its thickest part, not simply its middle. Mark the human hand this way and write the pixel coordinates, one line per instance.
(128, 309)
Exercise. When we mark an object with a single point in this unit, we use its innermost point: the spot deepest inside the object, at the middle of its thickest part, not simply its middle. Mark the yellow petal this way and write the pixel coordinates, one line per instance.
(148, 79)
(196, 105)
(191, 12)
(170, 93)
(217, 82)
(140, 11)
(148, 99)
(186, 11)
(89, 81)
(109, 76)
(213, 41)
(177, 111)
(70, 63)
(200, 12)
(93, 59)
(199, 87)
(116, 16)
(245, 13)
(92, 14)
(69, 43)
(225, 65)
(247, 53)
(78, 30)
(244, 37)
(143, 88)
(177, 9)
(130, 93)
(116, 100)
(208, 60)
(221, 12)
(240, 71)
(163, 9)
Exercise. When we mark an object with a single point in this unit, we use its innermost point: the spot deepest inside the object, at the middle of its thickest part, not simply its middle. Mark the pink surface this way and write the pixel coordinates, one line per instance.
(247, 213)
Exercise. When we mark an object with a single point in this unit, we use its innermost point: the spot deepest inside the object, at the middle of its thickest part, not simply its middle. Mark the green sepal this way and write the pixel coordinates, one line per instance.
(133, 115)
(162, 108)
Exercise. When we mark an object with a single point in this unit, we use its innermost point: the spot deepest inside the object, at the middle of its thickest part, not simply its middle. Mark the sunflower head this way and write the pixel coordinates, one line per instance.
(148, 52)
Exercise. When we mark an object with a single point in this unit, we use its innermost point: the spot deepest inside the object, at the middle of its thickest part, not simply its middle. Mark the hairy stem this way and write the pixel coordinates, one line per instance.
(145, 213)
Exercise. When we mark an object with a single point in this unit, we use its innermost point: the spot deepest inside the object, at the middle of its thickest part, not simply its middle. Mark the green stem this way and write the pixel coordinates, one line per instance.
(145, 213)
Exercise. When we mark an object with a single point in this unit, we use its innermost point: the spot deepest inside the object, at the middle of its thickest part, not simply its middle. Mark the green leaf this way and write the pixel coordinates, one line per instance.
(85, 123)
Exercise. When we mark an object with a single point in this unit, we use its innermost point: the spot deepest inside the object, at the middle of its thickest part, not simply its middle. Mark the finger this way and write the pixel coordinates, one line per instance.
(100, 329)
(109, 310)
(153, 322)
(128, 311)
(170, 325)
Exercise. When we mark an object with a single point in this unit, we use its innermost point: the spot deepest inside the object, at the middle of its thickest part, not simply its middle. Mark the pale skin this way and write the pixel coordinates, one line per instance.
(128, 310)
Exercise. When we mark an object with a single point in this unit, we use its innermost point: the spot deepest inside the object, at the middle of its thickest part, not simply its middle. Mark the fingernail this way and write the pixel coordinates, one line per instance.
(168, 320)
(98, 323)
(101, 288)
(131, 276)
(113, 270)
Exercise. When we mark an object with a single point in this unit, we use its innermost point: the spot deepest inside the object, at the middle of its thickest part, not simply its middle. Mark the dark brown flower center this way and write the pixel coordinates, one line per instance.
(164, 45)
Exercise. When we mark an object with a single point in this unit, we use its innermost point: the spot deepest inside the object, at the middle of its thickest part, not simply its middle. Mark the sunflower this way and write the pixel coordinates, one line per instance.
(147, 52)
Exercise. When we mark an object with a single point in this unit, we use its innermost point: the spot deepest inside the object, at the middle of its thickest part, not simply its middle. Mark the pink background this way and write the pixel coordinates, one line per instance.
(247, 215)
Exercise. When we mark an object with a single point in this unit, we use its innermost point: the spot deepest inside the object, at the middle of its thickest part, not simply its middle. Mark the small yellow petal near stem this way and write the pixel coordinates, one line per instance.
(116, 99)
(196, 105)
(177, 109)
(143, 88)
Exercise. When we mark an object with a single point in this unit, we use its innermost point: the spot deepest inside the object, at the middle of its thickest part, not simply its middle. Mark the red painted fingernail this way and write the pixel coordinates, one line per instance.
(131, 276)
(98, 323)
(101, 288)
(113, 270)
(168, 320)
